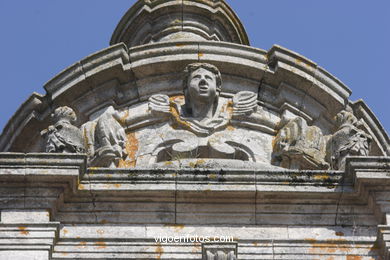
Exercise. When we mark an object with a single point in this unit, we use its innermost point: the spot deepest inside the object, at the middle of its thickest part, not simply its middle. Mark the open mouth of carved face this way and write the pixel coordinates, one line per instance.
(203, 88)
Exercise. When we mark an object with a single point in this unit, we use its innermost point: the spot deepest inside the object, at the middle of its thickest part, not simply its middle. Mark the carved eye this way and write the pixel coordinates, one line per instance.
(196, 77)
(209, 77)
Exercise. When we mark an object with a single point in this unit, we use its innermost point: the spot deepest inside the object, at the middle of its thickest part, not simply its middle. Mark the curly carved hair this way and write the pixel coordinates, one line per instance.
(64, 112)
(194, 66)
(346, 118)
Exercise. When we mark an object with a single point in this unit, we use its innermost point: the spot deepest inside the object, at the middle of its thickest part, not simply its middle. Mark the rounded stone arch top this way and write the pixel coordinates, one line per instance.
(149, 21)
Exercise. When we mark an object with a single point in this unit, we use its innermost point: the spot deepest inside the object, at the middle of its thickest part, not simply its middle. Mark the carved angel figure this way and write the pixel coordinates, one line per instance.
(108, 139)
(63, 136)
(203, 111)
(299, 146)
(348, 140)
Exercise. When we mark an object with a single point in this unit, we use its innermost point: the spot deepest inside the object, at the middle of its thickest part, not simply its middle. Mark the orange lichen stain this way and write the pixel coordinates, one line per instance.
(353, 257)
(196, 249)
(330, 246)
(168, 163)
(81, 187)
(322, 248)
(64, 254)
(200, 54)
(229, 107)
(180, 44)
(65, 231)
(274, 142)
(298, 61)
(159, 250)
(82, 244)
(126, 164)
(174, 174)
(321, 177)
(286, 183)
(100, 245)
(78, 237)
(197, 163)
(23, 231)
(117, 185)
(131, 149)
(178, 98)
(176, 227)
(339, 234)
(177, 121)
(213, 176)
(200, 161)
(103, 221)
(255, 244)
(122, 119)
(100, 232)
(230, 128)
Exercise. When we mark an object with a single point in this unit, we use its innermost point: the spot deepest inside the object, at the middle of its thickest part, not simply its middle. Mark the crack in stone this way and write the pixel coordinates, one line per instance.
(177, 172)
(182, 15)
(305, 93)
(255, 176)
(339, 200)
(93, 199)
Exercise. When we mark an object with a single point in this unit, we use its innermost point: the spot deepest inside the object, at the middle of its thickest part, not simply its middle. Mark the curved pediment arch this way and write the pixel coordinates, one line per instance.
(287, 83)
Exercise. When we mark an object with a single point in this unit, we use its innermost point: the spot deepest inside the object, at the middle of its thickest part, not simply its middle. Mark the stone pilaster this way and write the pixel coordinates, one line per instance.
(27, 234)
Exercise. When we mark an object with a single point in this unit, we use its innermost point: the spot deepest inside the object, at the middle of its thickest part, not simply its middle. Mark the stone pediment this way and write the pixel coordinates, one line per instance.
(117, 82)
(180, 128)
(211, 125)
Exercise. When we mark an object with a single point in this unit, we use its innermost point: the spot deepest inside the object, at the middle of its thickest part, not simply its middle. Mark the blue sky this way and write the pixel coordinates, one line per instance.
(349, 38)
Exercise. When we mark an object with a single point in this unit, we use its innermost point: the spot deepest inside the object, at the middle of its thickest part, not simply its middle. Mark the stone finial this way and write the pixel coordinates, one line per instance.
(348, 140)
(171, 20)
(63, 136)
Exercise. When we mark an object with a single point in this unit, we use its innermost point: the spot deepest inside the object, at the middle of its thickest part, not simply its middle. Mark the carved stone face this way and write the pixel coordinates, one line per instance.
(202, 86)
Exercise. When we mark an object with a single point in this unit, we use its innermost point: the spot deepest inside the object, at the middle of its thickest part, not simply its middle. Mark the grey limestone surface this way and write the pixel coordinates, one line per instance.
(181, 129)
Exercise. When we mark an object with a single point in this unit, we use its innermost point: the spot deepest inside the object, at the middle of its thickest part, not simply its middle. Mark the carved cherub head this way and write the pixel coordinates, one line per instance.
(64, 114)
(202, 85)
(346, 118)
